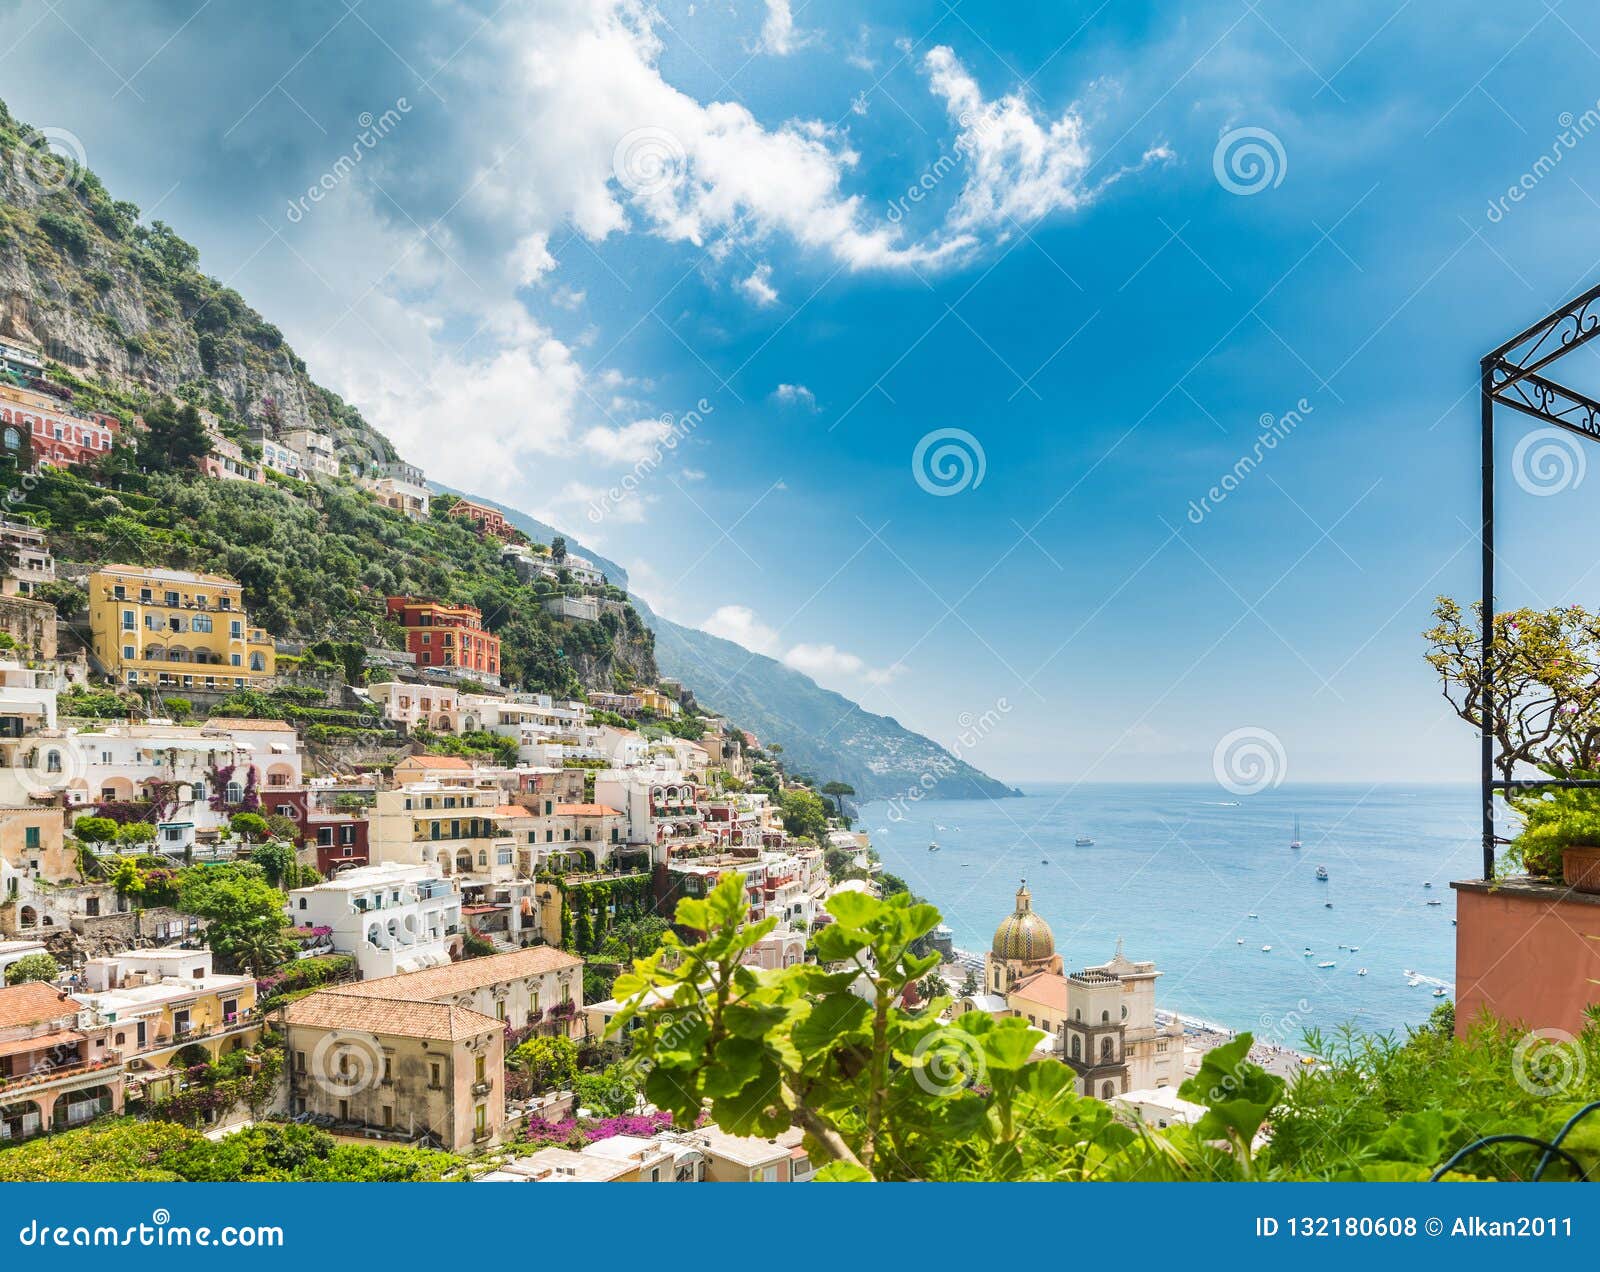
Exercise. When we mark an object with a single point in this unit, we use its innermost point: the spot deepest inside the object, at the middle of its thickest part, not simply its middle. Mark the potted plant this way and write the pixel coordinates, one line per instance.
(1560, 838)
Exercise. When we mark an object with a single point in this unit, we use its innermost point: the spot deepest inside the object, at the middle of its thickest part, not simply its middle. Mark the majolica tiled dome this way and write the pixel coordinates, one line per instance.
(1023, 936)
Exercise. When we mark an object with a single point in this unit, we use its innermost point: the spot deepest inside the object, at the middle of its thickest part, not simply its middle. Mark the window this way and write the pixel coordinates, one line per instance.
(299, 1060)
(128, 624)
(201, 623)
(481, 1119)
(236, 629)
(31, 834)
(433, 1075)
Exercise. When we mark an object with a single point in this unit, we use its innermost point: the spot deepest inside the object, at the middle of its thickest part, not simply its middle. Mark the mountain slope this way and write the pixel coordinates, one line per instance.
(822, 732)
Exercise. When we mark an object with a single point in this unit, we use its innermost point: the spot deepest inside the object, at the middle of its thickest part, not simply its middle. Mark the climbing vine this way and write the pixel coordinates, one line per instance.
(589, 908)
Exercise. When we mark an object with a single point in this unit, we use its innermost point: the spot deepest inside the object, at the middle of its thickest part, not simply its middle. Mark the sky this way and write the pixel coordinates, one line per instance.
(911, 343)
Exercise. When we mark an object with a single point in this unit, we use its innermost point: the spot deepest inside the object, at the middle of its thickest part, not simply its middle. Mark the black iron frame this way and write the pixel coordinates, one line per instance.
(1512, 376)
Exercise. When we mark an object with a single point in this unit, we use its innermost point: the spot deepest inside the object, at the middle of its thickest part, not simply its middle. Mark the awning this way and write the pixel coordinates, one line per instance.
(65, 1038)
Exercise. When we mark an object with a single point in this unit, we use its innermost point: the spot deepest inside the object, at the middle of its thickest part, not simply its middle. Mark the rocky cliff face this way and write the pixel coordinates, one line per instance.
(124, 304)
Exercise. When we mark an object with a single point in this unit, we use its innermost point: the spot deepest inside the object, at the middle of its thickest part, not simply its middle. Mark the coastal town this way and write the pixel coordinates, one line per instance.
(217, 910)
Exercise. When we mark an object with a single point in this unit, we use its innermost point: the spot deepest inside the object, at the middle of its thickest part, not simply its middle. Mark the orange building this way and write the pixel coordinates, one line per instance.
(447, 636)
(488, 520)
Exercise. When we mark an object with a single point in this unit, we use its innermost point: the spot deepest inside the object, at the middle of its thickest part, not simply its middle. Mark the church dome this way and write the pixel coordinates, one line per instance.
(1023, 936)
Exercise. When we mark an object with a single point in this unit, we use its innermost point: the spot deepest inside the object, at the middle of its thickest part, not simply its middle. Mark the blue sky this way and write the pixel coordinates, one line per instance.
(583, 220)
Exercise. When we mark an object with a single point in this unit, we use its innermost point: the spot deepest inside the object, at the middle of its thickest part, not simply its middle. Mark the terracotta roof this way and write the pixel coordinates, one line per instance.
(587, 810)
(433, 983)
(510, 810)
(1048, 989)
(41, 1042)
(394, 1017)
(454, 762)
(34, 1002)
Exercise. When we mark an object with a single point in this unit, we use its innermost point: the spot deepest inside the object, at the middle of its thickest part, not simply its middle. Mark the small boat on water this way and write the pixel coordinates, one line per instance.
(1306, 953)
(1295, 842)
(933, 847)
(1440, 992)
(1252, 915)
(1354, 948)
(1266, 949)
(1427, 885)
(1435, 903)
(1044, 861)
(1240, 941)
(1084, 841)
(1362, 972)
(1327, 963)
(1322, 874)
(1327, 905)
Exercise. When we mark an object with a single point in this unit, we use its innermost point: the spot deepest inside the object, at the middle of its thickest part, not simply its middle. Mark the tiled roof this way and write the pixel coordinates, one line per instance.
(434, 983)
(238, 722)
(453, 762)
(394, 1017)
(36, 1001)
(586, 810)
(510, 810)
(1048, 989)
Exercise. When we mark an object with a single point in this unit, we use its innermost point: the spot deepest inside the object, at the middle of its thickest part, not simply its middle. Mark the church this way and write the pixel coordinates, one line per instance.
(1101, 1020)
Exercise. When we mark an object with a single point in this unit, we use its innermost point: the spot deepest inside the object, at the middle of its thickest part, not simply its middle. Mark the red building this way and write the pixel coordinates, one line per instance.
(488, 520)
(57, 433)
(447, 636)
(340, 839)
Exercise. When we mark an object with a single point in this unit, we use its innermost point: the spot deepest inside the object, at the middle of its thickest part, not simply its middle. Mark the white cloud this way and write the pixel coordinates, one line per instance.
(693, 474)
(778, 34)
(795, 395)
(758, 287)
(629, 443)
(739, 624)
(565, 297)
(828, 662)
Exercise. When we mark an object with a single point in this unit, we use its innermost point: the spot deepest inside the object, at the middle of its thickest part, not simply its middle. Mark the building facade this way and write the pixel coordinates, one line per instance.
(176, 630)
(447, 637)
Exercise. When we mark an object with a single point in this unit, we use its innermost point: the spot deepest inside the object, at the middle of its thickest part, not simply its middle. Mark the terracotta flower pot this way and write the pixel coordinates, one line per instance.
(1580, 867)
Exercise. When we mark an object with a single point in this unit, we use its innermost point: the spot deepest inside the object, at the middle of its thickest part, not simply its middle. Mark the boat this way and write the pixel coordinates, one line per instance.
(1427, 885)
(1295, 842)
(1440, 992)
(1435, 903)
(1327, 905)
(1240, 941)
(934, 847)
(1327, 963)
(1306, 953)
(1354, 948)
(1044, 861)
(1322, 874)
(1362, 972)
(1252, 915)
(1084, 841)
(1266, 949)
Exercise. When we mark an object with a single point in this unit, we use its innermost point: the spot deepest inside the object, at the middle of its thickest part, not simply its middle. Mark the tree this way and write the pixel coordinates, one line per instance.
(550, 1063)
(804, 814)
(882, 1093)
(837, 860)
(95, 830)
(970, 986)
(558, 549)
(1546, 671)
(179, 709)
(32, 967)
(244, 914)
(251, 827)
(136, 833)
(838, 790)
(283, 827)
(610, 1093)
(175, 438)
(276, 860)
(633, 937)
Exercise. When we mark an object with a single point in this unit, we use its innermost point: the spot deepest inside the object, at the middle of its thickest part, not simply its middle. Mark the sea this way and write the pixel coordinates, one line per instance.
(1200, 881)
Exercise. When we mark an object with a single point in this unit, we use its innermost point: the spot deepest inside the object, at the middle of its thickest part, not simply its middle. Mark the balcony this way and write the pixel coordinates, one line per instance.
(58, 1073)
(482, 1088)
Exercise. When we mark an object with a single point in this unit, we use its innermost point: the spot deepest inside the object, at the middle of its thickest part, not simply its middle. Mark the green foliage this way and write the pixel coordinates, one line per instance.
(275, 857)
(32, 967)
(804, 814)
(95, 830)
(880, 1093)
(174, 438)
(249, 826)
(1553, 820)
(139, 832)
(122, 1149)
(612, 1092)
(550, 1063)
(243, 912)
(180, 709)
(1384, 1108)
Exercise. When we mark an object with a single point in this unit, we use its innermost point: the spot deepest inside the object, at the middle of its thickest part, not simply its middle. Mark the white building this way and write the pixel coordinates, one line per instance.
(391, 918)
(316, 451)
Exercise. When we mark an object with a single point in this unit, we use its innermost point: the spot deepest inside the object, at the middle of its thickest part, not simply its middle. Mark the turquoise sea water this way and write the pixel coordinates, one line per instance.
(1175, 870)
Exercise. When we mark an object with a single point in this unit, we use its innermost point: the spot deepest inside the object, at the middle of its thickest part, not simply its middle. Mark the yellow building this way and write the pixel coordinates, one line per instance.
(175, 629)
